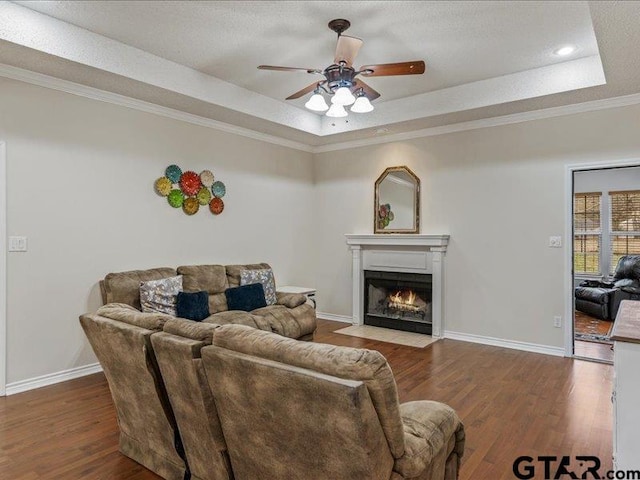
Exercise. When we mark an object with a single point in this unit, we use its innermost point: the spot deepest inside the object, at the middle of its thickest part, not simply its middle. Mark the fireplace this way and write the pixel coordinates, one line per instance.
(398, 300)
(387, 261)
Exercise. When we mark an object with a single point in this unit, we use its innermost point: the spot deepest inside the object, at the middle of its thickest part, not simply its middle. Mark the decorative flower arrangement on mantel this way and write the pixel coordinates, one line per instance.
(190, 190)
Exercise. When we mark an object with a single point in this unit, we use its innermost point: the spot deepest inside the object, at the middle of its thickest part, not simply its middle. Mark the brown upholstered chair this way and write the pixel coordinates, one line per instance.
(148, 431)
(308, 411)
(178, 353)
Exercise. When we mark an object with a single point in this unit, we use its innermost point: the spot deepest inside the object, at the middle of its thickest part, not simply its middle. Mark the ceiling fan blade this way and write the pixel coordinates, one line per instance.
(347, 49)
(289, 69)
(368, 91)
(387, 69)
(302, 92)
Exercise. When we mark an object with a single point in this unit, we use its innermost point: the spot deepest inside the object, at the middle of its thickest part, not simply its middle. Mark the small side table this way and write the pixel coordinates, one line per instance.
(310, 293)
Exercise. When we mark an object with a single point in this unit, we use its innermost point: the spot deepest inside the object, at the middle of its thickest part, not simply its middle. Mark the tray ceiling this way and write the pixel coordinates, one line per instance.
(204, 55)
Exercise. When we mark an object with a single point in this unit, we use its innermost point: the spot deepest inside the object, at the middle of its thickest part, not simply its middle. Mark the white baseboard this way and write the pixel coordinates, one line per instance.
(335, 318)
(77, 372)
(500, 342)
(52, 378)
(469, 337)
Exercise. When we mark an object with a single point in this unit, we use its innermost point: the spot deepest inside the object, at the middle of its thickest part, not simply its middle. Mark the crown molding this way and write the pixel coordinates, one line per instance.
(591, 106)
(527, 84)
(66, 86)
(63, 42)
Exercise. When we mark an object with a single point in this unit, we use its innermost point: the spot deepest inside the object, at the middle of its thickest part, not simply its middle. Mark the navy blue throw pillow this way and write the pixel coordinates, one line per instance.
(246, 298)
(193, 305)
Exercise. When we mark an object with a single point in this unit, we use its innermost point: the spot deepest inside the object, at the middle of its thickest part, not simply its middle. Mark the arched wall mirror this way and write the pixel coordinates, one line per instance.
(397, 202)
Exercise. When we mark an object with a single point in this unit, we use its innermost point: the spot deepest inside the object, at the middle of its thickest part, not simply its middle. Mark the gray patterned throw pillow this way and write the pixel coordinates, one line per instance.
(263, 276)
(159, 296)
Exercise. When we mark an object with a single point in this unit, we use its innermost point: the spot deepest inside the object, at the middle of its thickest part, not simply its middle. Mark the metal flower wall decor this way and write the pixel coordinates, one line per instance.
(190, 190)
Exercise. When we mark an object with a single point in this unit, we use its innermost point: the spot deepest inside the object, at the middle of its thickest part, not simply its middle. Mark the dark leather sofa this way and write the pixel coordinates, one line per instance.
(602, 299)
(595, 299)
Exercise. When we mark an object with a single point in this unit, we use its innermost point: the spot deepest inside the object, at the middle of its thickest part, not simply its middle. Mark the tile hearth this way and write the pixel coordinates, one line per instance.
(408, 339)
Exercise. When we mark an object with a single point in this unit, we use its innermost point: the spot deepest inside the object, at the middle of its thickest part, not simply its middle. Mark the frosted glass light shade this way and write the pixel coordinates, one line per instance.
(362, 105)
(343, 96)
(336, 111)
(317, 103)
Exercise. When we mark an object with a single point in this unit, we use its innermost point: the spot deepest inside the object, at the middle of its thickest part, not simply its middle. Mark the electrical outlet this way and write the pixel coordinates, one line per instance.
(557, 321)
(555, 241)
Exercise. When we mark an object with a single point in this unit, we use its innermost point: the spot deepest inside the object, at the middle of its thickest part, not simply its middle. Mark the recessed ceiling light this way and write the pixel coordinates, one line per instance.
(564, 51)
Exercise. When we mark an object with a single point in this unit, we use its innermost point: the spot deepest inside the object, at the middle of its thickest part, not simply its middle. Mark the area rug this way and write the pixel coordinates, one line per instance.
(388, 335)
(590, 329)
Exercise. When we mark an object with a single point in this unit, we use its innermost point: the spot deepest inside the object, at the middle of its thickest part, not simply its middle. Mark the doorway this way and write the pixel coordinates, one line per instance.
(3, 269)
(605, 228)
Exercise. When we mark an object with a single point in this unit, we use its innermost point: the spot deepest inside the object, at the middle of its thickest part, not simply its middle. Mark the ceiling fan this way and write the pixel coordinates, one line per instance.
(340, 77)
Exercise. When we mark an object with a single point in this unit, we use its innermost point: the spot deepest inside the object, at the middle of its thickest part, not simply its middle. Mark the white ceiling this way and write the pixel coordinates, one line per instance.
(461, 42)
(203, 55)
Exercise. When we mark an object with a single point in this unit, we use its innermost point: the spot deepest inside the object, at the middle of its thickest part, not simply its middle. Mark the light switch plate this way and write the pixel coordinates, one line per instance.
(555, 241)
(17, 244)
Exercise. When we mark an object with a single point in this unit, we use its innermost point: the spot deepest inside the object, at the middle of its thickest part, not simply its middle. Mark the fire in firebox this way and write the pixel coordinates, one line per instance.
(404, 300)
(398, 300)
(407, 301)
(404, 304)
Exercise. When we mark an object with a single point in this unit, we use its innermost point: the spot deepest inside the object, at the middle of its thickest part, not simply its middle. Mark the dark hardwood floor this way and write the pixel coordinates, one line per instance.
(512, 403)
(592, 349)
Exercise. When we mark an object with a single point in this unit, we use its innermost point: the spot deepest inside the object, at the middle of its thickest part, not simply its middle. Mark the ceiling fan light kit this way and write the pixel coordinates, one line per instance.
(343, 96)
(336, 111)
(340, 77)
(317, 103)
(362, 105)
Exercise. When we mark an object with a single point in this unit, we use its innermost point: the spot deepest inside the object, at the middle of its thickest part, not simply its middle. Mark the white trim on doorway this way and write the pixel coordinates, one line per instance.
(3, 268)
(568, 235)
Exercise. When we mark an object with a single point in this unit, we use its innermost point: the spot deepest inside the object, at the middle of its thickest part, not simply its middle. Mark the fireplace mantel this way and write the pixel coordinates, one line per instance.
(399, 253)
(398, 240)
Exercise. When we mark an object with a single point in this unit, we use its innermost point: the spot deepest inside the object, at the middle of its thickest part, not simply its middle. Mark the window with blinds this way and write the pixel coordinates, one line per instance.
(624, 229)
(587, 233)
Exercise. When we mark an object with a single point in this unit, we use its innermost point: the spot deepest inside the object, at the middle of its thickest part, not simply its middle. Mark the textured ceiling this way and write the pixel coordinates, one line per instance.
(617, 31)
(484, 59)
(461, 42)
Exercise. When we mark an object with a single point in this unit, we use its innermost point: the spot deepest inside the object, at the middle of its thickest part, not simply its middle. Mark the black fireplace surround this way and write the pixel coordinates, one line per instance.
(397, 300)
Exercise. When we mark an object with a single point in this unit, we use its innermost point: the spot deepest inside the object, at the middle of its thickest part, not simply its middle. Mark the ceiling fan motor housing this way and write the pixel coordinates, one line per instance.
(339, 76)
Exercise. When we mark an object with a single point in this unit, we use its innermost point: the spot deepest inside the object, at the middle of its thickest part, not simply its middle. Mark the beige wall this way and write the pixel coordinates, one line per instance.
(80, 177)
(80, 187)
(499, 192)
